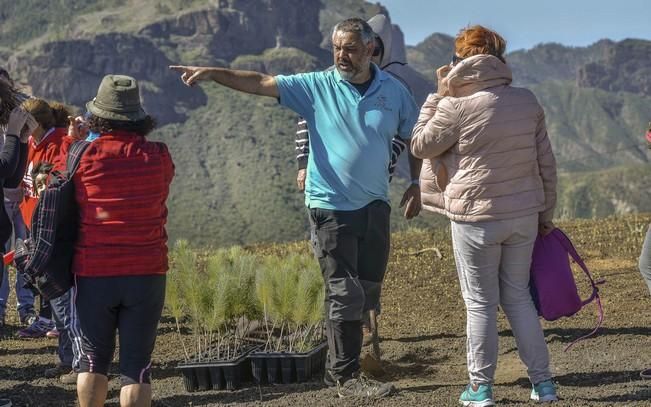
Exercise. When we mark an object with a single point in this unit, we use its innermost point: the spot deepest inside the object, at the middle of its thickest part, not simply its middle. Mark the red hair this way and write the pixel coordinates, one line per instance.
(478, 40)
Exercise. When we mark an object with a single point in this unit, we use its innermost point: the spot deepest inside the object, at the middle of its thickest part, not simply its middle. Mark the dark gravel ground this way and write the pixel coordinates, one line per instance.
(423, 343)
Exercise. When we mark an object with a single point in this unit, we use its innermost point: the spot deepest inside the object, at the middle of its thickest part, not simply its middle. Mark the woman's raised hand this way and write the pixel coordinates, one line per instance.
(441, 75)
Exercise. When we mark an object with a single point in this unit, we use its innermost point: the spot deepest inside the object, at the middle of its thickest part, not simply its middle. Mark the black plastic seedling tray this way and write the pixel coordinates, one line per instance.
(284, 367)
(217, 375)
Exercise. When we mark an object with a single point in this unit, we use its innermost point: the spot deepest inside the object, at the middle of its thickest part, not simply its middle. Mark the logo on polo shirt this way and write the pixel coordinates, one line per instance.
(381, 102)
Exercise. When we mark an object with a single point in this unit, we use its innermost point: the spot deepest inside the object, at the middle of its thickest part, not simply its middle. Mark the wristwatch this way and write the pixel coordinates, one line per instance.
(415, 181)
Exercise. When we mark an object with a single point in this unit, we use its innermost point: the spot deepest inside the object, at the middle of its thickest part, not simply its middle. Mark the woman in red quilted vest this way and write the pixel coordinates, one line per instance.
(120, 260)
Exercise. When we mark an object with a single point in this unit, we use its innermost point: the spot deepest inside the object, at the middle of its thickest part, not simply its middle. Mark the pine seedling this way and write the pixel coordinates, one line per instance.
(284, 299)
(217, 269)
(174, 295)
(311, 295)
(196, 296)
(264, 286)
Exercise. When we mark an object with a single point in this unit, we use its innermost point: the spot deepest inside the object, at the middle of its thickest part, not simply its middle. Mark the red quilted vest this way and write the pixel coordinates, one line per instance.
(121, 187)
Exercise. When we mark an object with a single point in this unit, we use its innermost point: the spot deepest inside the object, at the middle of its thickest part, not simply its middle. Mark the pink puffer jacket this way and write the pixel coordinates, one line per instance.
(485, 148)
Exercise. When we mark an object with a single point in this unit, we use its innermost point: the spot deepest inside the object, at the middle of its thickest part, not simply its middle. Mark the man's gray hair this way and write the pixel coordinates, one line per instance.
(358, 26)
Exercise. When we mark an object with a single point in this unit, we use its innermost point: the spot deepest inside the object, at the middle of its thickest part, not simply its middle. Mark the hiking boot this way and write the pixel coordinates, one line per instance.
(481, 396)
(37, 329)
(362, 386)
(5, 403)
(544, 392)
(52, 333)
(69, 378)
(56, 371)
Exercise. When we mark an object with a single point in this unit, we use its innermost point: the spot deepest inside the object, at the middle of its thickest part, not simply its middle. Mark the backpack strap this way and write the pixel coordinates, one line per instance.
(74, 156)
(567, 244)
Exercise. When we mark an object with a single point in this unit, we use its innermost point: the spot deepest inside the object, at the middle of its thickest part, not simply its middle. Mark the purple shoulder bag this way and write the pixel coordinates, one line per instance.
(552, 282)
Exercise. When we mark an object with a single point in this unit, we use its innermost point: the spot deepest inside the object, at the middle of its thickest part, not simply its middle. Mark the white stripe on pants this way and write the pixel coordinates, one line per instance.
(493, 260)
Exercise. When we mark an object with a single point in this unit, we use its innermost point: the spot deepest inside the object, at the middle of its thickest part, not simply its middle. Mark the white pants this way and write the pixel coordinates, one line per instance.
(645, 259)
(493, 260)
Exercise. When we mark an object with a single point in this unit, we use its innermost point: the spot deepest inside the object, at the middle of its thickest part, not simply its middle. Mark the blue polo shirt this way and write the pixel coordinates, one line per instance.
(350, 134)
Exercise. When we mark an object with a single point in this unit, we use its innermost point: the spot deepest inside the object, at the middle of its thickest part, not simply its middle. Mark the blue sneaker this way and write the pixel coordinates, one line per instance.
(482, 397)
(544, 392)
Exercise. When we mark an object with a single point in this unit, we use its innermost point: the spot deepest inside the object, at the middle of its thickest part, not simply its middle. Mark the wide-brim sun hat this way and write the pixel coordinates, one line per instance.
(118, 98)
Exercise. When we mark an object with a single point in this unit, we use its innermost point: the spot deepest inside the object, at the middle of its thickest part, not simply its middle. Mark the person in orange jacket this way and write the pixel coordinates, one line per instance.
(45, 148)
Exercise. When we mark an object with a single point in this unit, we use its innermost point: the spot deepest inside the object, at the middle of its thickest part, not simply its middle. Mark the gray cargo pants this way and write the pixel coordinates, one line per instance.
(352, 248)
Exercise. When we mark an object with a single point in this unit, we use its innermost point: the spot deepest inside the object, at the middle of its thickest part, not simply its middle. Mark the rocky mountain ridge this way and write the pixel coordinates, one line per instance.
(234, 153)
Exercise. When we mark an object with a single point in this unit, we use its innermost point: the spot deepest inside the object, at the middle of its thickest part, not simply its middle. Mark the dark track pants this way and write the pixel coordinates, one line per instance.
(130, 304)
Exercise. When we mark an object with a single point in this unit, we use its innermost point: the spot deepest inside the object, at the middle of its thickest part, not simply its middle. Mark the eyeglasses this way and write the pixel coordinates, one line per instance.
(379, 47)
(456, 59)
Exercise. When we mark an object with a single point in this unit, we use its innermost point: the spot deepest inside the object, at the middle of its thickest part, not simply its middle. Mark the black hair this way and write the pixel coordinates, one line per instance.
(141, 127)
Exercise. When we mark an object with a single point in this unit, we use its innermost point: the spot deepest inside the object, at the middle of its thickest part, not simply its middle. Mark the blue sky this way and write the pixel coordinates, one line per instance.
(525, 23)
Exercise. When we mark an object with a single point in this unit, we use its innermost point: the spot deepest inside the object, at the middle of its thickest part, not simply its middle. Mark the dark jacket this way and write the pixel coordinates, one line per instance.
(13, 159)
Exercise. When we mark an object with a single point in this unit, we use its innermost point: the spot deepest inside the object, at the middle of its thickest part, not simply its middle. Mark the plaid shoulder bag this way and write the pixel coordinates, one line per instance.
(46, 259)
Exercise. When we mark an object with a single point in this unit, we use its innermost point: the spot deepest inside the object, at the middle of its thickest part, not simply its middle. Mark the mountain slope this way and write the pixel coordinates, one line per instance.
(431, 53)
(616, 191)
(234, 153)
(592, 129)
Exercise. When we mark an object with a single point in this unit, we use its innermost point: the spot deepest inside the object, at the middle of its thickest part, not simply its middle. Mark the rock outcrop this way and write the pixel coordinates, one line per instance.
(70, 71)
(240, 27)
(278, 61)
(625, 66)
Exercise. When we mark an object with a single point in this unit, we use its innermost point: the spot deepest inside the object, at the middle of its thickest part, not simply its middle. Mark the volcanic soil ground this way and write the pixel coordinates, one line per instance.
(423, 337)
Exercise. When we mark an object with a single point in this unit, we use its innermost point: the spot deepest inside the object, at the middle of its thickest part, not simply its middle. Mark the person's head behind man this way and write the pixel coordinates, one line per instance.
(353, 43)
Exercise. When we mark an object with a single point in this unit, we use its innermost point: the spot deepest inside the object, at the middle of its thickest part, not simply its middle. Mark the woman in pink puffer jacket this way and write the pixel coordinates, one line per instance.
(488, 166)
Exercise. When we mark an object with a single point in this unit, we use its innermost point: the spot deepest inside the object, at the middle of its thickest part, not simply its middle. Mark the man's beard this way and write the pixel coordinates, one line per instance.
(348, 75)
(354, 69)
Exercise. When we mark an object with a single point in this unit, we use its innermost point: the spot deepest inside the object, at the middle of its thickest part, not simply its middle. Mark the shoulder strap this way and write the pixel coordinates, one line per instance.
(74, 155)
(567, 244)
(43, 238)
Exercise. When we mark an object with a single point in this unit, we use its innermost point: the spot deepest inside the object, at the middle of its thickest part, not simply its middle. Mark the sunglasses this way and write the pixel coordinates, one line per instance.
(379, 47)
(456, 59)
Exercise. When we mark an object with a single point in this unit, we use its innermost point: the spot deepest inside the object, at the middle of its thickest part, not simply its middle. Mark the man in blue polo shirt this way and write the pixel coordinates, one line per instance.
(353, 112)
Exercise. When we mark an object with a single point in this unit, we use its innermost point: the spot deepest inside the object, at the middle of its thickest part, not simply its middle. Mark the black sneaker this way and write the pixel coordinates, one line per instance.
(362, 386)
(28, 318)
(5, 403)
